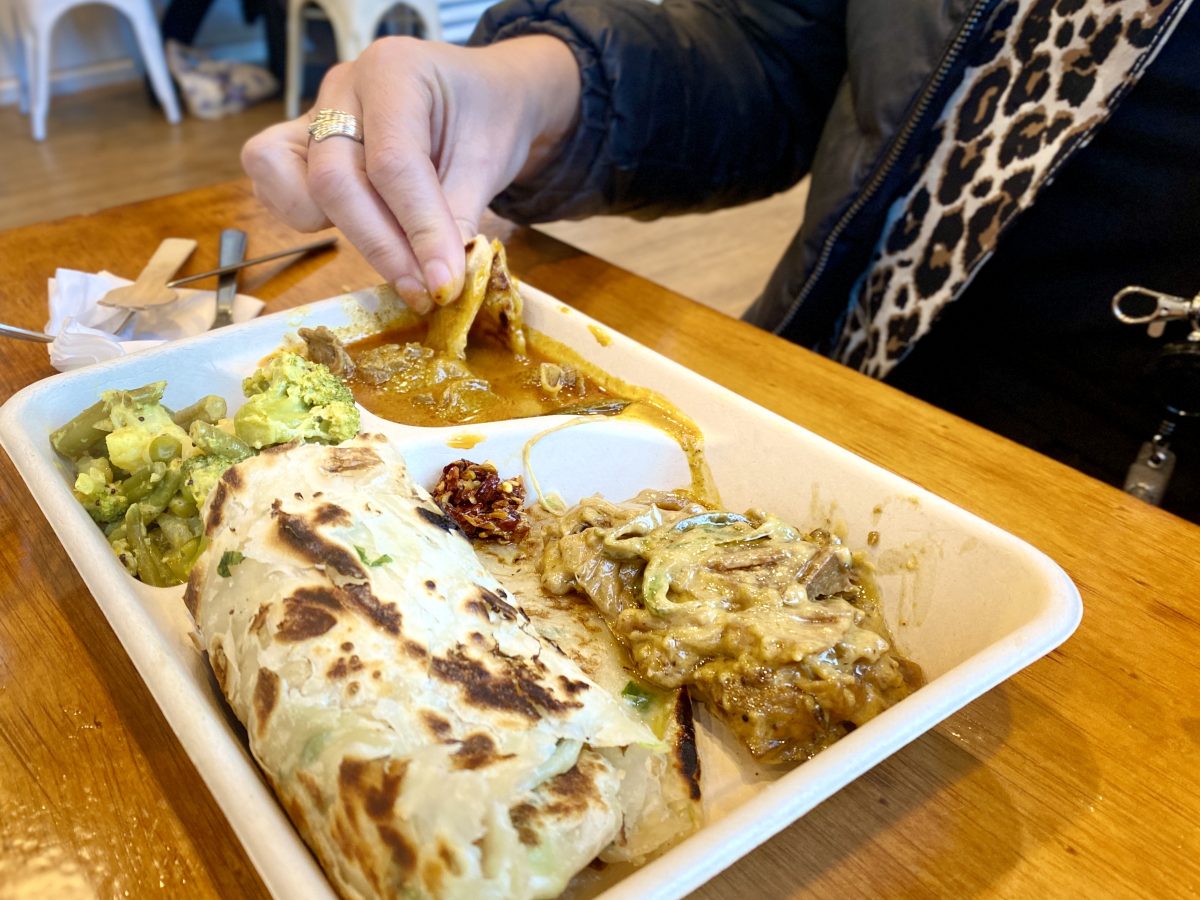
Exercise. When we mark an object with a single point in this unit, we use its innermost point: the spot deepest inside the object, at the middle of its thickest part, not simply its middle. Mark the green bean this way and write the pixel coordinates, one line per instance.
(180, 561)
(210, 409)
(164, 489)
(78, 435)
(81, 433)
(182, 505)
(150, 567)
(165, 448)
(215, 442)
(141, 482)
(147, 393)
(179, 531)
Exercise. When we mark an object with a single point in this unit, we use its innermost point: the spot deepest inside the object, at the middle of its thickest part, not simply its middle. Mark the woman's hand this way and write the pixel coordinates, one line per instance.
(445, 129)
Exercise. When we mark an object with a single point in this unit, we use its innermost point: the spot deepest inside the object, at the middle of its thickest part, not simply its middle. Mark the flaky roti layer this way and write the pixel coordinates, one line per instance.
(423, 737)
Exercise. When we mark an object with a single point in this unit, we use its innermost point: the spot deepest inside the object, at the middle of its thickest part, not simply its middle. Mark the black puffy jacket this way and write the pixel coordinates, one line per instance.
(693, 105)
(697, 104)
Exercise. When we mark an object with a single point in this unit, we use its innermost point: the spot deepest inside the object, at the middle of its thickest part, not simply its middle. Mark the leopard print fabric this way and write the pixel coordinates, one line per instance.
(1045, 76)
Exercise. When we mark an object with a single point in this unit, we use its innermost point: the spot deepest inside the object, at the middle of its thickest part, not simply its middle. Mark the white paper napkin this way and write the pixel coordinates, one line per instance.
(86, 332)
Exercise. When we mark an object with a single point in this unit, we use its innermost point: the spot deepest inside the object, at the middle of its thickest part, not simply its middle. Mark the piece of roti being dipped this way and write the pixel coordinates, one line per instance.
(423, 737)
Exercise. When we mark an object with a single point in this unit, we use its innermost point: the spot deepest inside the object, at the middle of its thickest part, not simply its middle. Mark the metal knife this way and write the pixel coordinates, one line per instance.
(233, 251)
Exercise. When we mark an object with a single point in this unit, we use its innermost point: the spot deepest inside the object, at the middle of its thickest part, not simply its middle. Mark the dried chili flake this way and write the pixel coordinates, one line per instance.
(481, 503)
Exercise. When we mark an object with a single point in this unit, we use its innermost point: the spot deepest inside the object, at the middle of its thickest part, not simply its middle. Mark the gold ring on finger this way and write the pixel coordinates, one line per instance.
(329, 123)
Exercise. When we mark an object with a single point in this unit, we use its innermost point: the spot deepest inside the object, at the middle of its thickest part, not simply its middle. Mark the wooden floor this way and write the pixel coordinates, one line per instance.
(113, 146)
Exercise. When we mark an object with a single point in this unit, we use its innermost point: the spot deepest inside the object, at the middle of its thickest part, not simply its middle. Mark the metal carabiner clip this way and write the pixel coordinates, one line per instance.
(1135, 305)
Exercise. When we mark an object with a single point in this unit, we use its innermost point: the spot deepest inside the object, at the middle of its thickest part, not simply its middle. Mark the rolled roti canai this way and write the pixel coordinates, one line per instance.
(423, 736)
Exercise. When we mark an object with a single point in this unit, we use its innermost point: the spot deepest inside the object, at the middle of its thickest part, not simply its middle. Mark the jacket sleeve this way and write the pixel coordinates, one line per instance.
(686, 106)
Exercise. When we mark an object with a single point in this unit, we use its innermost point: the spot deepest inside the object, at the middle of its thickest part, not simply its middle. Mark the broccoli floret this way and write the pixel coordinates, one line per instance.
(94, 488)
(291, 398)
(201, 474)
(133, 420)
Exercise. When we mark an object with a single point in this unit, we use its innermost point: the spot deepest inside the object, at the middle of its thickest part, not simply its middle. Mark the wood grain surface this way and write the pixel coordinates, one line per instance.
(1074, 778)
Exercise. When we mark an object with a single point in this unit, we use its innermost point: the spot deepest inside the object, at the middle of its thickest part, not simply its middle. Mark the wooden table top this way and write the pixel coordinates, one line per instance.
(1075, 777)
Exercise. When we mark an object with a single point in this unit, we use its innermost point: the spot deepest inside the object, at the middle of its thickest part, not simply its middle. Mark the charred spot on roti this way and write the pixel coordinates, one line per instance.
(495, 604)
(295, 812)
(343, 667)
(477, 751)
(438, 726)
(571, 793)
(216, 508)
(352, 688)
(385, 615)
(332, 514)
(481, 687)
(280, 448)
(299, 536)
(448, 857)
(373, 783)
(574, 790)
(312, 786)
(415, 650)
(685, 751)
(522, 817)
(514, 688)
(403, 854)
(436, 518)
(470, 245)
(430, 584)
(572, 687)
(354, 848)
(350, 459)
(298, 495)
(191, 594)
(260, 618)
(308, 613)
(350, 773)
(374, 786)
(477, 607)
(432, 874)
(219, 663)
(318, 595)
(231, 477)
(347, 646)
(266, 694)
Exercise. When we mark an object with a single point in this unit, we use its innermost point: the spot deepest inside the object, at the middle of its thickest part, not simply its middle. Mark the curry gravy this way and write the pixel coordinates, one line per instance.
(399, 379)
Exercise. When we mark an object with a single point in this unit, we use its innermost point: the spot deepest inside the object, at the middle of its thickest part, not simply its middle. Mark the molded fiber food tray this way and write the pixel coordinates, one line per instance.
(970, 603)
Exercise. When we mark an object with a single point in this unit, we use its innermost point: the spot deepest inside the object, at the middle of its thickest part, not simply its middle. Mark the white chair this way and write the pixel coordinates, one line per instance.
(354, 25)
(10, 48)
(35, 21)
